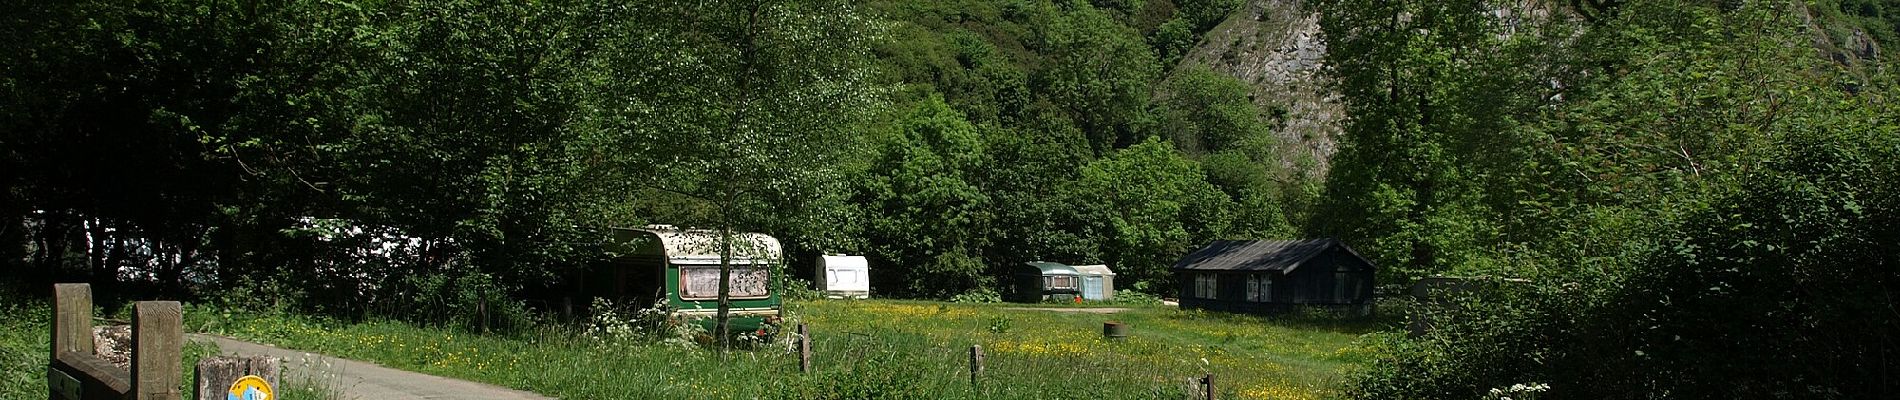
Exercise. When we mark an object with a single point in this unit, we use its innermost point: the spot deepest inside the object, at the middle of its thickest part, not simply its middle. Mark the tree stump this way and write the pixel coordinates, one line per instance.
(216, 374)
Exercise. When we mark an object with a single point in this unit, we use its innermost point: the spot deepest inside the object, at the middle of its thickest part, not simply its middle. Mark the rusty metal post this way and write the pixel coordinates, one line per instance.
(804, 349)
(976, 363)
(157, 336)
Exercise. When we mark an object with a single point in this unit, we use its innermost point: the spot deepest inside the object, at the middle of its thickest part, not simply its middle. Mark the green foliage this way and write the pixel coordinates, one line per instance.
(1208, 112)
(24, 336)
(978, 296)
(794, 289)
(1156, 205)
(1679, 218)
(1877, 18)
(1135, 297)
(1204, 14)
(929, 211)
(448, 162)
(1172, 41)
(470, 301)
(1099, 71)
(1430, 100)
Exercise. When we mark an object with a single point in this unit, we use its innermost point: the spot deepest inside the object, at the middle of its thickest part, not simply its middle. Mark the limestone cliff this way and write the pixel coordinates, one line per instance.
(1275, 46)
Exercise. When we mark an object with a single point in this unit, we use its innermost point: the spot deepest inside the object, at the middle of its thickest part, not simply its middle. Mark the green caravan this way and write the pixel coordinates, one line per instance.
(677, 270)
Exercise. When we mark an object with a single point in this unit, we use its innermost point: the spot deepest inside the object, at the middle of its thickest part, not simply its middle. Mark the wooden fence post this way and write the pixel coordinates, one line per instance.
(976, 363)
(72, 319)
(804, 349)
(157, 335)
(1207, 383)
(216, 374)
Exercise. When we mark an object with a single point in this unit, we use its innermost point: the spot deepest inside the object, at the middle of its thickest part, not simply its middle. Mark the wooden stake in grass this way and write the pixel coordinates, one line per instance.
(804, 350)
(976, 363)
(1207, 384)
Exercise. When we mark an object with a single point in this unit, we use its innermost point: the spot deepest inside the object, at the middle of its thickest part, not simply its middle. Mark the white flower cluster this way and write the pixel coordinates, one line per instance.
(1520, 391)
(615, 325)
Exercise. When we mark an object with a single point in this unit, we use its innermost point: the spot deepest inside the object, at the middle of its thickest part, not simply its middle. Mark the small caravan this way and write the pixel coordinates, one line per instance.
(844, 277)
(678, 269)
(1038, 281)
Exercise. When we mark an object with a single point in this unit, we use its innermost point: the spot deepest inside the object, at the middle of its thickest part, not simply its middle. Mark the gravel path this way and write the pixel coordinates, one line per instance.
(367, 381)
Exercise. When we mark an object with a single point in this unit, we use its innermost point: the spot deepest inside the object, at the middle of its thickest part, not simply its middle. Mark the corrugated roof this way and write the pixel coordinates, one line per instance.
(1256, 255)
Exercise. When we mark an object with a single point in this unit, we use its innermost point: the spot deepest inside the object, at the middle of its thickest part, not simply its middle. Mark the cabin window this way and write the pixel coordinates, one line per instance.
(1058, 282)
(1204, 286)
(1342, 281)
(1259, 288)
(702, 282)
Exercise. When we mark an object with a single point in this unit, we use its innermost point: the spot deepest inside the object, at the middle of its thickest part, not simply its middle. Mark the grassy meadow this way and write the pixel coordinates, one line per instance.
(867, 349)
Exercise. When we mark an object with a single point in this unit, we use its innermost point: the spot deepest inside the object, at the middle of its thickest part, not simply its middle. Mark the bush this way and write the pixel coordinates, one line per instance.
(794, 289)
(1133, 297)
(615, 324)
(1773, 290)
(472, 301)
(978, 295)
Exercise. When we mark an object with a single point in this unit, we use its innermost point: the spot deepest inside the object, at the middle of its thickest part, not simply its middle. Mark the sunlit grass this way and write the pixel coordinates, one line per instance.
(880, 349)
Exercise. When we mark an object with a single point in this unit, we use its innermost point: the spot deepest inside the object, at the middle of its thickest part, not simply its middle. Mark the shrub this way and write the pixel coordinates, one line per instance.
(978, 295)
(1133, 297)
(467, 300)
(794, 289)
(615, 324)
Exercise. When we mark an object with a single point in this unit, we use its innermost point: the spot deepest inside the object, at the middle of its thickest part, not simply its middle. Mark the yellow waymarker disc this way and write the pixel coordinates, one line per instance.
(250, 387)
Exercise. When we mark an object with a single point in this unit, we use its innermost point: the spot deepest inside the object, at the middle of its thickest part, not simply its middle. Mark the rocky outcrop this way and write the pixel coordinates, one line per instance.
(1275, 47)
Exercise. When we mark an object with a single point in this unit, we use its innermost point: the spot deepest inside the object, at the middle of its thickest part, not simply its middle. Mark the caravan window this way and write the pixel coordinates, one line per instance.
(702, 282)
(1058, 282)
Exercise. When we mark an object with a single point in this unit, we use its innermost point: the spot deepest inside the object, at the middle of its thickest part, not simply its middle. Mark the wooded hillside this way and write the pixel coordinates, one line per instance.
(1679, 179)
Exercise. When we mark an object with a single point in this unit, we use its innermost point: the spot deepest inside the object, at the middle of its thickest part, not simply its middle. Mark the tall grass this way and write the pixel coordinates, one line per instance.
(24, 337)
(866, 350)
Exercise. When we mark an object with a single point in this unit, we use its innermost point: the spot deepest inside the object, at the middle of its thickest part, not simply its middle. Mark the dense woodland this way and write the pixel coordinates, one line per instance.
(1704, 196)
